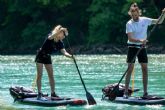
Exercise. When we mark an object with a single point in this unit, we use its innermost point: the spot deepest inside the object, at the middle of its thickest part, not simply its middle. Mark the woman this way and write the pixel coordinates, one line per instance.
(53, 43)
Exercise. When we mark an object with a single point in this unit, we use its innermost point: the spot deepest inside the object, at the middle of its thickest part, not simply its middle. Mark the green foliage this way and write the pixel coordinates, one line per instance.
(34, 34)
(24, 24)
(108, 18)
(55, 3)
(105, 20)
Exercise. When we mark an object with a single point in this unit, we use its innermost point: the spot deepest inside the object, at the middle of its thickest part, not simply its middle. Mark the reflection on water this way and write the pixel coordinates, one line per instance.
(96, 70)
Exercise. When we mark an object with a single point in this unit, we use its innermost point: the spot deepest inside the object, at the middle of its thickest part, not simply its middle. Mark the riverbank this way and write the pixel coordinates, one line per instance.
(94, 49)
(115, 49)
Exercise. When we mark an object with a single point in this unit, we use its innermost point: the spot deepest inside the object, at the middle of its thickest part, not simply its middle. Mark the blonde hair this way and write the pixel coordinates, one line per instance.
(59, 28)
(56, 29)
(134, 8)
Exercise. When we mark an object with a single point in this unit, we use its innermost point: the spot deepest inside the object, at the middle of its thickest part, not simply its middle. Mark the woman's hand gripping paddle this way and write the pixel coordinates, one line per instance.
(113, 94)
(91, 100)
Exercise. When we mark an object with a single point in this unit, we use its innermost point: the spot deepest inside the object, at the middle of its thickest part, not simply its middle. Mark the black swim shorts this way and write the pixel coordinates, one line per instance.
(42, 57)
(142, 56)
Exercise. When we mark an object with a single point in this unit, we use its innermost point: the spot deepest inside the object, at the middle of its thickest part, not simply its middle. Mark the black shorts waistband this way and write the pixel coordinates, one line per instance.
(135, 45)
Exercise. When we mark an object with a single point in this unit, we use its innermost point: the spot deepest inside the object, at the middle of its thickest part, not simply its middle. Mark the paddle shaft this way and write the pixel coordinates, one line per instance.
(80, 74)
(91, 100)
(140, 48)
(76, 65)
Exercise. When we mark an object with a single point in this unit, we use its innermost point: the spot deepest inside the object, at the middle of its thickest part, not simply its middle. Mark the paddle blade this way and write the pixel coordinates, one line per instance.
(113, 93)
(91, 100)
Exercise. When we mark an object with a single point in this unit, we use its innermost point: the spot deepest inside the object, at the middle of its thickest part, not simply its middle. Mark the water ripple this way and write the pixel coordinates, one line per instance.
(96, 70)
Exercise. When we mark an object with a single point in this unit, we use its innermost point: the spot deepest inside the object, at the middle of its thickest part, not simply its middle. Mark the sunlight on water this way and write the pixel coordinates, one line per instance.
(96, 70)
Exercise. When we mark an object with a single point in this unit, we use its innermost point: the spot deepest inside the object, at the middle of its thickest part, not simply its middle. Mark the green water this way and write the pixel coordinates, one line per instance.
(97, 71)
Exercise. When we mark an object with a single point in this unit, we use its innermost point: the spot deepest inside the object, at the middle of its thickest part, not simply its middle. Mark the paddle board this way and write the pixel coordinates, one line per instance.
(139, 101)
(47, 101)
(26, 96)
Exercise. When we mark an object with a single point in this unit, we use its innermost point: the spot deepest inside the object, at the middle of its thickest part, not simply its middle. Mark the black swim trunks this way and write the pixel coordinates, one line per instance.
(142, 56)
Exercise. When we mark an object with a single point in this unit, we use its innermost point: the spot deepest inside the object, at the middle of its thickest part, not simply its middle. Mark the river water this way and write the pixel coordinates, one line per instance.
(96, 70)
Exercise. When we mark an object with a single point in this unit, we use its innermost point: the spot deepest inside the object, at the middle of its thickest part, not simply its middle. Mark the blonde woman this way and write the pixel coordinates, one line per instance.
(53, 43)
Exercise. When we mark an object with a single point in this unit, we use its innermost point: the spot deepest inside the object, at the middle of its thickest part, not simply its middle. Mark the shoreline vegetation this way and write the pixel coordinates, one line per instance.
(95, 26)
(94, 49)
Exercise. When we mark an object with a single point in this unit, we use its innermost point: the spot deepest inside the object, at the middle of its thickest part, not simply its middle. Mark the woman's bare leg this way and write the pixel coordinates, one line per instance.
(39, 75)
(49, 69)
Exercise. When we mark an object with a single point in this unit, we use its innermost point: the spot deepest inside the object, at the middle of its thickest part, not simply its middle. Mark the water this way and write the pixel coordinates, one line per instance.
(96, 70)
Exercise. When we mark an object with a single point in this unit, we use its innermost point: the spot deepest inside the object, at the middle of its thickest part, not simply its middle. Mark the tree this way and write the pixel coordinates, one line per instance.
(107, 20)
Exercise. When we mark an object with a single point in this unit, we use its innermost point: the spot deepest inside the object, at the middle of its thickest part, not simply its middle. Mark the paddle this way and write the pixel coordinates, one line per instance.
(91, 100)
(114, 92)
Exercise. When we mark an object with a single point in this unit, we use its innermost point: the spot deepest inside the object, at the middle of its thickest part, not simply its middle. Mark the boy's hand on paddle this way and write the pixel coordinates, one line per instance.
(144, 42)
